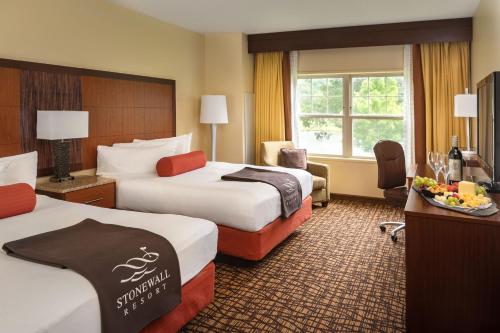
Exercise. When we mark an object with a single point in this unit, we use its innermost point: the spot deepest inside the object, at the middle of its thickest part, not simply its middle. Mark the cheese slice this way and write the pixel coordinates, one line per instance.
(465, 187)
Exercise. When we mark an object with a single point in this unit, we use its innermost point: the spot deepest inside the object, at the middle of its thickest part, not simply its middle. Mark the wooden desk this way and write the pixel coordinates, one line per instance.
(452, 269)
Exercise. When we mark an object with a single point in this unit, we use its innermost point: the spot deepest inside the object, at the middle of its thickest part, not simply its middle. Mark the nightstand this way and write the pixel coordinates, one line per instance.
(90, 190)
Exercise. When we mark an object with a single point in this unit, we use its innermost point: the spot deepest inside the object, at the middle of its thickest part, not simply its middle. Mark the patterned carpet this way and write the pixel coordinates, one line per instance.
(338, 273)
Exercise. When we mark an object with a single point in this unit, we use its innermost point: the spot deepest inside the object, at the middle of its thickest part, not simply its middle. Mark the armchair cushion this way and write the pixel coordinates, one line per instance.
(319, 183)
(293, 158)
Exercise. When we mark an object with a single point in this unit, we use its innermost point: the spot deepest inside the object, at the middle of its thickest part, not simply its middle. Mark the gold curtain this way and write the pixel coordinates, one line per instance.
(445, 69)
(268, 88)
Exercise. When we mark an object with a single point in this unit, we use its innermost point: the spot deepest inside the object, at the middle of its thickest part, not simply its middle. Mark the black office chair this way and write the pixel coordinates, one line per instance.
(392, 178)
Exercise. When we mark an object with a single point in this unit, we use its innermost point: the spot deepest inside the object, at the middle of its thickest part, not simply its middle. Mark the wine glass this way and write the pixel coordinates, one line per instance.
(434, 163)
(439, 165)
(446, 170)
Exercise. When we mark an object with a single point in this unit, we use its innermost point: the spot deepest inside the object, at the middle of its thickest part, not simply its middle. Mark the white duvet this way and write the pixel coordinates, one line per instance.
(40, 298)
(201, 193)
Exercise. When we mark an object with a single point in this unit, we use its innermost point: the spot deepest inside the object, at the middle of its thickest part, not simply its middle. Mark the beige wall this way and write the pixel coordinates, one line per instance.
(486, 40)
(355, 59)
(100, 35)
(229, 71)
(352, 176)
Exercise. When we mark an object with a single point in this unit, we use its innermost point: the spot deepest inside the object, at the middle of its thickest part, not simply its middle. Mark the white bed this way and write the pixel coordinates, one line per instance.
(201, 193)
(40, 298)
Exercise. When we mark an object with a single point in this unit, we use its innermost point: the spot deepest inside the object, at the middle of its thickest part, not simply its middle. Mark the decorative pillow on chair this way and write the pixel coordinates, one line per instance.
(178, 164)
(293, 158)
(16, 199)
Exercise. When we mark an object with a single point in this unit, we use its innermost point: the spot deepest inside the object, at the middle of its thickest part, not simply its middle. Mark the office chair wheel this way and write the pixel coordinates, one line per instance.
(394, 238)
(382, 228)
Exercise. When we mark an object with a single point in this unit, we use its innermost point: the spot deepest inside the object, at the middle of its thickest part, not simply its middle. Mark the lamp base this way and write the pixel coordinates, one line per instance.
(54, 179)
(60, 153)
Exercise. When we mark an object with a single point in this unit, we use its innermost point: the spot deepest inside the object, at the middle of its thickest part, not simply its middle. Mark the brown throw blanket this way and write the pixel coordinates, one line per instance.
(135, 272)
(287, 185)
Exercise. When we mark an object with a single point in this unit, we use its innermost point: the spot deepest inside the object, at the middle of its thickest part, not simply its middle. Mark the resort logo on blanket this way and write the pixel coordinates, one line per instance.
(139, 265)
(289, 185)
(138, 268)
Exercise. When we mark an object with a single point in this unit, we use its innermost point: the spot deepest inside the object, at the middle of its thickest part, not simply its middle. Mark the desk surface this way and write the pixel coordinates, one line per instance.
(417, 206)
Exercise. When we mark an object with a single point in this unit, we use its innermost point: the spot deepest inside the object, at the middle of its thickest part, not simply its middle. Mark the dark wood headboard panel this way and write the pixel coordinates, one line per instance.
(121, 107)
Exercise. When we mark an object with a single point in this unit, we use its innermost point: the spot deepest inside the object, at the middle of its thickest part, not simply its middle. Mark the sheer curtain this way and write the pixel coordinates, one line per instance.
(409, 130)
(294, 63)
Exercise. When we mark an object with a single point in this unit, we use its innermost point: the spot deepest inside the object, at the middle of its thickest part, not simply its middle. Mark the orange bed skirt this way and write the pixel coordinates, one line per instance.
(196, 294)
(256, 245)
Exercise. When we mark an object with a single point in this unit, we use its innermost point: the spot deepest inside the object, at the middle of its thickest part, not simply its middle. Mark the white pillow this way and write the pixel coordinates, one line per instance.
(19, 169)
(183, 142)
(130, 160)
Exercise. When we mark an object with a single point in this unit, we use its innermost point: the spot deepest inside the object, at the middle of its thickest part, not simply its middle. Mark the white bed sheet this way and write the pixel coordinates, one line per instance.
(40, 298)
(201, 193)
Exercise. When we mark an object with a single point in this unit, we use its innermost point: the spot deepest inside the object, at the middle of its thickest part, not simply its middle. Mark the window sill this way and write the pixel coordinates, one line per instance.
(326, 158)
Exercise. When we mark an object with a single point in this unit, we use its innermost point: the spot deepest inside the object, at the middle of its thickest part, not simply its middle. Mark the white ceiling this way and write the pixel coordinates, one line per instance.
(258, 16)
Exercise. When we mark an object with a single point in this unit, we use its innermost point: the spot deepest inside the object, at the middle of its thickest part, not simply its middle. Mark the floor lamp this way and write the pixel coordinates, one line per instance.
(466, 107)
(213, 111)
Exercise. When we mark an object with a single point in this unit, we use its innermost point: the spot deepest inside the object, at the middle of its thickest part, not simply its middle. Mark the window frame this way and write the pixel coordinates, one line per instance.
(347, 116)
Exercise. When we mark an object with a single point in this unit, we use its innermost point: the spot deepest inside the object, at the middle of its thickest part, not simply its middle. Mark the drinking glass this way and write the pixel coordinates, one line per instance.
(435, 163)
(439, 165)
(446, 169)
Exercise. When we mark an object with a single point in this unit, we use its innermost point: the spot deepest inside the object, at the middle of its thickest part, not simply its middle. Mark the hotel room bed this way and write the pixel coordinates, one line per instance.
(40, 298)
(248, 214)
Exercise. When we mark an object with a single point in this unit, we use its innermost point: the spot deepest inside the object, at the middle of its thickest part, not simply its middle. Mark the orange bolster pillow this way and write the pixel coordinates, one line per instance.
(175, 165)
(16, 199)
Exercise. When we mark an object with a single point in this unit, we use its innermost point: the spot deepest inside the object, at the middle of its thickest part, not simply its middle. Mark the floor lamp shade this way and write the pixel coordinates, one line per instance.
(213, 111)
(59, 126)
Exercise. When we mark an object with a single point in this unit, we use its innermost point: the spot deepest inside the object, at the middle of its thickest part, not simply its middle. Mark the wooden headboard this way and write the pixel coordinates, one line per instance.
(121, 107)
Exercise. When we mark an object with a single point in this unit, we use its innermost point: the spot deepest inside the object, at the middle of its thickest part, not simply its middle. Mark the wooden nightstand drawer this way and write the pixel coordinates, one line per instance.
(102, 196)
(89, 190)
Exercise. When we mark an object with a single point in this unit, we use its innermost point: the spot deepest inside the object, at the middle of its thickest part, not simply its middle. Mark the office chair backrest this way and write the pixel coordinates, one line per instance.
(391, 164)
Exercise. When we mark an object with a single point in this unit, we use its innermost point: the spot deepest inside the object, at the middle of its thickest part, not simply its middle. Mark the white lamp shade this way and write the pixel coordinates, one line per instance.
(213, 109)
(59, 125)
(466, 105)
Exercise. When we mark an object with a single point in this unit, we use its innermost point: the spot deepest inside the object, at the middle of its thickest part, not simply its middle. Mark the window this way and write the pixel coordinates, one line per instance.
(346, 115)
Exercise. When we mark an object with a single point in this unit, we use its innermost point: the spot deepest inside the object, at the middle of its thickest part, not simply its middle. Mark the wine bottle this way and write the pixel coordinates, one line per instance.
(455, 161)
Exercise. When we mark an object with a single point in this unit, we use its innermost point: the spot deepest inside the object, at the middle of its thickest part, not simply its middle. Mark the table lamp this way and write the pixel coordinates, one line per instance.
(466, 107)
(58, 126)
(213, 111)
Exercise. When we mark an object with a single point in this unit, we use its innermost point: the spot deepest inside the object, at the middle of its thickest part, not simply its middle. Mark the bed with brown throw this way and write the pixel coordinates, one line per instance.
(248, 214)
(287, 185)
(41, 298)
(135, 283)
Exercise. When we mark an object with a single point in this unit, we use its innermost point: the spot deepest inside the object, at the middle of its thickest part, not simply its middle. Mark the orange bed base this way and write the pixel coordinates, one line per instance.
(196, 294)
(256, 245)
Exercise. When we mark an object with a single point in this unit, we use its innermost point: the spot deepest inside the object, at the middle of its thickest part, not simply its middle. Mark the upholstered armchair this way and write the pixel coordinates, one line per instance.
(270, 151)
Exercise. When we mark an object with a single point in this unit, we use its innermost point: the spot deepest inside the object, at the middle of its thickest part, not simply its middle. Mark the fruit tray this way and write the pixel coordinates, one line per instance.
(479, 212)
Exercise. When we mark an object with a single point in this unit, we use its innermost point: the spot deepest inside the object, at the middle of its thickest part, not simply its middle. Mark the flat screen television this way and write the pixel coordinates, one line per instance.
(488, 127)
